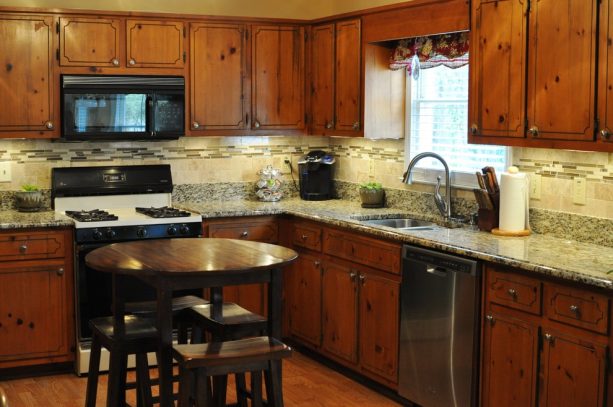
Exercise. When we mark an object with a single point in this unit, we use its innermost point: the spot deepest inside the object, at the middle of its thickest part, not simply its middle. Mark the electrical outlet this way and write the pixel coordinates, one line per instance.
(579, 190)
(535, 186)
(5, 171)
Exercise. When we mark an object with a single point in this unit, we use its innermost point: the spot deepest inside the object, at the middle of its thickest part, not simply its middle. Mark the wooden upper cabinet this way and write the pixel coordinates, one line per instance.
(348, 70)
(90, 41)
(26, 76)
(278, 77)
(605, 75)
(218, 80)
(155, 44)
(322, 77)
(497, 74)
(562, 69)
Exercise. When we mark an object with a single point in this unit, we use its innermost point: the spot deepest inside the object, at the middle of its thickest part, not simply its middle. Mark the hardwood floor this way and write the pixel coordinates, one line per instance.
(305, 383)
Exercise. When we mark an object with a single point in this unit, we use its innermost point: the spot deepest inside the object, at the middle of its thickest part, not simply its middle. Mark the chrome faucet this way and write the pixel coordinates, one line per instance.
(443, 205)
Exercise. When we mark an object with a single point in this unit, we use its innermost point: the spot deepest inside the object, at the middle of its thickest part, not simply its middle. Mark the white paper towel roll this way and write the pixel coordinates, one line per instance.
(514, 200)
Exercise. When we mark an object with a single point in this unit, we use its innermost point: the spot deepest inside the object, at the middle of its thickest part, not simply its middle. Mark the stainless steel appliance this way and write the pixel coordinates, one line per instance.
(315, 174)
(98, 107)
(115, 204)
(439, 334)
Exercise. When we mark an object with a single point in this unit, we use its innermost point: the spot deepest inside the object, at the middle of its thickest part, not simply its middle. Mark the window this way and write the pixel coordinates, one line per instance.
(437, 120)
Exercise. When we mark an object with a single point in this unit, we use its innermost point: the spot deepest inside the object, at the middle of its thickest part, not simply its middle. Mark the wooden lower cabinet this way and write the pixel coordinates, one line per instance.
(535, 357)
(36, 306)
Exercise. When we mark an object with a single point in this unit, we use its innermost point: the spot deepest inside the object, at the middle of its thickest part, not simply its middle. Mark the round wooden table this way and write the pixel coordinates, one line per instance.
(176, 264)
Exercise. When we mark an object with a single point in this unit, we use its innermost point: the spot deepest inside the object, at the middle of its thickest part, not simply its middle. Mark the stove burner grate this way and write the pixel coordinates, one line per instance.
(95, 215)
(163, 212)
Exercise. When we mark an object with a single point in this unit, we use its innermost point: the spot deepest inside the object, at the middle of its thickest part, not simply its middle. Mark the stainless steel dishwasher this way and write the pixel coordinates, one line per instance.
(439, 334)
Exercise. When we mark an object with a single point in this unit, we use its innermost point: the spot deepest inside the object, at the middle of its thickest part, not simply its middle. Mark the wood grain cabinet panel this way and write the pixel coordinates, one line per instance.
(347, 77)
(498, 60)
(155, 44)
(573, 371)
(576, 307)
(303, 298)
(218, 77)
(605, 75)
(26, 76)
(562, 69)
(90, 41)
(322, 77)
(306, 235)
(510, 349)
(515, 291)
(278, 77)
(34, 245)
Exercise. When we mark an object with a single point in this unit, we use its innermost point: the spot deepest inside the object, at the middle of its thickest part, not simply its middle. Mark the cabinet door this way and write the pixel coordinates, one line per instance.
(605, 74)
(573, 371)
(340, 310)
(26, 77)
(278, 77)
(562, 69)
(219, 91)
(379, 303)
(509, 349)
(90, 42)
(498, 64)
(348, 69)
(33, 310)
(303, 294)
(322, 77)
(154, 44)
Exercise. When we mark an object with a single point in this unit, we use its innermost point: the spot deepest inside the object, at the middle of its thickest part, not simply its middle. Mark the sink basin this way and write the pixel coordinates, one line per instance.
(401, 223)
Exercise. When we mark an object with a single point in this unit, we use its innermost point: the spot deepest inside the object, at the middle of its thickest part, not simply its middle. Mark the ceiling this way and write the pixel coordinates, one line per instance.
(296, 9)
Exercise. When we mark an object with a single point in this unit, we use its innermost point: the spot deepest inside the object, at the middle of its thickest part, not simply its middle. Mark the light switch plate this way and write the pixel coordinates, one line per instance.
(5, 171)
(535, 186)
(579, 190)
(371, 168)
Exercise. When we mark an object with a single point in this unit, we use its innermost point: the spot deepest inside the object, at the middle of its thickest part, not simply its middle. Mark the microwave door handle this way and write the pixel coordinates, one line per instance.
(149, 115)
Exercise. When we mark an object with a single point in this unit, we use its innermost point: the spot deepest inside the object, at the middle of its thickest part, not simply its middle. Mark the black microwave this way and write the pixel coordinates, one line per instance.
(97, 107)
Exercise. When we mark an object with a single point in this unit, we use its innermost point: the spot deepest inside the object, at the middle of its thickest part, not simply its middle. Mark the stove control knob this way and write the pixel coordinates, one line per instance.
(184, 229)
(110, 233)
(141, 232)
(97, 235)
(172, 230)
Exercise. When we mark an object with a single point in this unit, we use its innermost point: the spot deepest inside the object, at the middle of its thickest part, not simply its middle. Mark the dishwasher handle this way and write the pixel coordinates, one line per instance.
(437, 271)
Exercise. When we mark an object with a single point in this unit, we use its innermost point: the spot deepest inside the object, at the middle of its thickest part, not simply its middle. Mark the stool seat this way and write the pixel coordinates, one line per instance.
(136, 328)
(232, 322)
(178, 304)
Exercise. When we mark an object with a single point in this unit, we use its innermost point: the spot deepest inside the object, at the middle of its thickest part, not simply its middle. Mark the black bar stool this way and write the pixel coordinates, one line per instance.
(199, 362)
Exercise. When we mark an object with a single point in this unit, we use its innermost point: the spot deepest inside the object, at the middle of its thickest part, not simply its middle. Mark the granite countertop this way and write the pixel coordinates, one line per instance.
(542, 254)
(11, 219)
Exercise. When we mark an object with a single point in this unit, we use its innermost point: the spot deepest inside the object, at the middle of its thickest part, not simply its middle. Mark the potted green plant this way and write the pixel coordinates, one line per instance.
(29, 199)
(372, 194)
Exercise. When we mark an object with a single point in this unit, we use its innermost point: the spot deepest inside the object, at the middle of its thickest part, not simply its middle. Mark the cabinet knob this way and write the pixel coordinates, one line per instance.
(512, 292)
(317, 263)
(132, 62)
(244, 233)
(195, 125)
(362, 279)
(356, 126)
(329, 125)
(474, 129)
(115, 61)
(304, 237)
(60, 271)
(549, 338)
(534, 131)
(352, 275)
(490, 319)
(23, 248)
(256, 124)
(49, 125)
(605, 134)
(574, 309)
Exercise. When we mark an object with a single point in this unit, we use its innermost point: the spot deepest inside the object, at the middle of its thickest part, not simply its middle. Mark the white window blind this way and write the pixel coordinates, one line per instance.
(438, 121)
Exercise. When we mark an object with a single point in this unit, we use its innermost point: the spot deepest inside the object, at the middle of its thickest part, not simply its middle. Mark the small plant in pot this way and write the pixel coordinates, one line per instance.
(29, 199)
(372, 195)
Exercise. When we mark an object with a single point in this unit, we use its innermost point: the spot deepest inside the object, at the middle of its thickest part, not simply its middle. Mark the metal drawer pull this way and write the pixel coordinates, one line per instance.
(132, 62)
(316, 263)
(574, 309)
(549, 338)
(60, 271)
(304, 237)
(23, 248)
(512, 292)
(352, 275)
(362, 279)
(244, 233)
(115, 61)
(490, 319)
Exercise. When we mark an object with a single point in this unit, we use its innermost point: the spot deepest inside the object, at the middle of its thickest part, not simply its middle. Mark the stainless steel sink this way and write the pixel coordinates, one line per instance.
(402, 223)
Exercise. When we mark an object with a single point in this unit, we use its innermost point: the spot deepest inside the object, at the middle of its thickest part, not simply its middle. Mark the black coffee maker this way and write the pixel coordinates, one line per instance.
(315, 170)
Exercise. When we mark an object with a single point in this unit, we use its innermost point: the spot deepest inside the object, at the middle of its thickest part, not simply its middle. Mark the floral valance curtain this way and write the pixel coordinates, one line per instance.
(450, 50)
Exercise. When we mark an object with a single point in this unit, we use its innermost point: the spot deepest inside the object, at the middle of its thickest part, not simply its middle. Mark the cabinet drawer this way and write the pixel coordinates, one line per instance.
(515, 291)
(261, 230)
(306, 235)
(577, 307)
(360, 249)
(22, 246)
